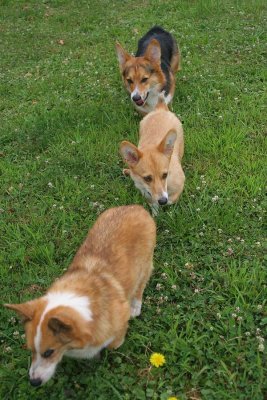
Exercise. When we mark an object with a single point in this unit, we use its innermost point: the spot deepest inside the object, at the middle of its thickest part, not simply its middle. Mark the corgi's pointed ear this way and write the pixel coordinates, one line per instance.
(130, 153)
(122, 55)
(167, 144)
(153, 51)
(59, 325)
(25, 310)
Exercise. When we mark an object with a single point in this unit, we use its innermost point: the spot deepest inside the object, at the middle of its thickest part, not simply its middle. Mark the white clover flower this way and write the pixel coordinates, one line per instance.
(261, 347)
(234, 315)
(219, 316)
(50, 184)
(215, 199)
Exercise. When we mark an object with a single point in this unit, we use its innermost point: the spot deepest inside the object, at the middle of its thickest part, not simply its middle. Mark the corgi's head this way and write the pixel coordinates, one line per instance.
(141, 75)
(149, 169)
(54, 324)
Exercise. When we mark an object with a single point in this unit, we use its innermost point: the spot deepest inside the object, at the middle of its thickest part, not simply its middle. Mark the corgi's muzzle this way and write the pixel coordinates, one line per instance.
(137, 99)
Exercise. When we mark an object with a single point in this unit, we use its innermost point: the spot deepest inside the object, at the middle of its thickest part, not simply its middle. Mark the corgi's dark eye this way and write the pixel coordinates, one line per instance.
(48, 353)
(164, 176)
(144, 80)
(130, 81)
(148, 178)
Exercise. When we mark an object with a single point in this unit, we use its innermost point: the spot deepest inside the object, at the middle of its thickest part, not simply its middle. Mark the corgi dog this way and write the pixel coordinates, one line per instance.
(152, 70)
(89, 307)
(155, 165)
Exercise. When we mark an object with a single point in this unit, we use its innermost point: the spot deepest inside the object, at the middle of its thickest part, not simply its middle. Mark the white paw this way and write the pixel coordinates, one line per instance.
(136, 306)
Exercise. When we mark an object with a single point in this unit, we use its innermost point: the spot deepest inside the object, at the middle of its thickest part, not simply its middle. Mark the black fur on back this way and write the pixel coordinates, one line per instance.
(168, 48)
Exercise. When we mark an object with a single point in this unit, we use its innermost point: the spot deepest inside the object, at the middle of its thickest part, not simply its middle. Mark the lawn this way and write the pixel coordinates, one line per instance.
(63, 114)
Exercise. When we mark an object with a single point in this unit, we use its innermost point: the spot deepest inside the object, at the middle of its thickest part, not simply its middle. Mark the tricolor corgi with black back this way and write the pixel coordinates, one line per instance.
(155, 165)
(89, 307)
(152, 70)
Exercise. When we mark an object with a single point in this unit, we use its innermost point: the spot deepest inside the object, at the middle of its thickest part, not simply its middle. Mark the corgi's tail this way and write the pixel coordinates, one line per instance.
(162, 105)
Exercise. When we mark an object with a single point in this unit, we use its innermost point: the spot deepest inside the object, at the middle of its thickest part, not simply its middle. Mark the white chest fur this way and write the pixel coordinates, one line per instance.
(152, 101)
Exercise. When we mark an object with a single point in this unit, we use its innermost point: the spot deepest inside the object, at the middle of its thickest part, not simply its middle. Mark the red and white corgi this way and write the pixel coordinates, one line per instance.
(155, 165)
(152, 70)
(88, 308)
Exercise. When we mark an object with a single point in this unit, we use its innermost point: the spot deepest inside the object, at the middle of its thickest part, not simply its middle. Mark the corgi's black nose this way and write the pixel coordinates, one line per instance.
(36, 382)
(162, 201)
(136, 97)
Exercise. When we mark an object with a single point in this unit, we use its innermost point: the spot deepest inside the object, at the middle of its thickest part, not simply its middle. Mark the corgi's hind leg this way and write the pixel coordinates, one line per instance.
(136, 303)
(119, 339)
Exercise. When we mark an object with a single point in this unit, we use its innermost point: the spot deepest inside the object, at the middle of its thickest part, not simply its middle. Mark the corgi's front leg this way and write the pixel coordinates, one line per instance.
(154, 209)
(119, 339)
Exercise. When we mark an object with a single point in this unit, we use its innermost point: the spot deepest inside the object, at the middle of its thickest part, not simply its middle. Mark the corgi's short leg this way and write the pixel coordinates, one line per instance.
(136, 306)
(136, 303)
(154, 209)
(119, 339)
(173, 198)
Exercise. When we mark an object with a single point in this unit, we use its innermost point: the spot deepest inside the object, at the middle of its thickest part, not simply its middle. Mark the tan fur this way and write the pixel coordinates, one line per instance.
(149, 159)
(111, 268)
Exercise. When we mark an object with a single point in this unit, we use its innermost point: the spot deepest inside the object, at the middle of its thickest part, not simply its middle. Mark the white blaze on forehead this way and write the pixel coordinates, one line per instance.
(80, 304)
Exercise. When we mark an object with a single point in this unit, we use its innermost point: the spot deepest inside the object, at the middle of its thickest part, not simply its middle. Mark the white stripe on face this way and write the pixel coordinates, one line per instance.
(165, 194)
(41, 368)
(135, 92)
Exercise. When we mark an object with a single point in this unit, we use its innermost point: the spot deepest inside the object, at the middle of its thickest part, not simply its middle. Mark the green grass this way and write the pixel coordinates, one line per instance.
(63, 114)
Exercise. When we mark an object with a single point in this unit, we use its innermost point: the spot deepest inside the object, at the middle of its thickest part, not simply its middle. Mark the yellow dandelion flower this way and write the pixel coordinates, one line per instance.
(157, 359)
(172, 398)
